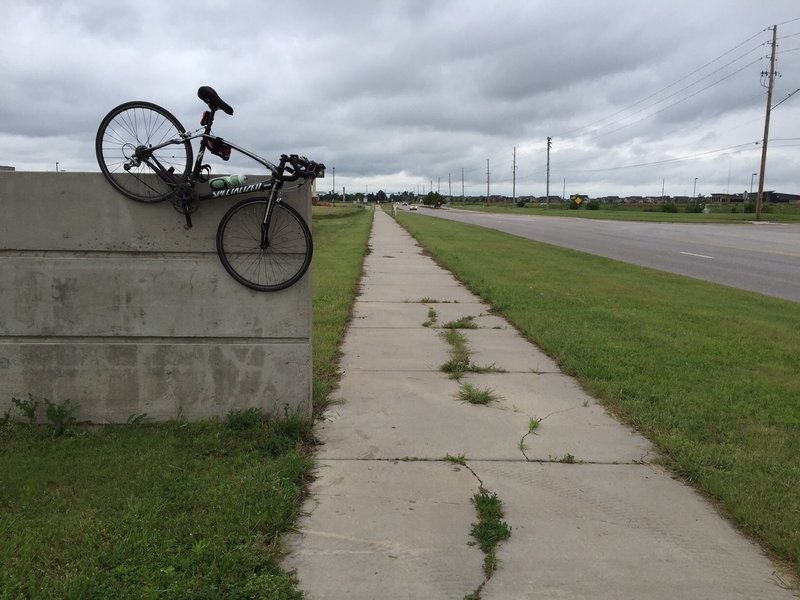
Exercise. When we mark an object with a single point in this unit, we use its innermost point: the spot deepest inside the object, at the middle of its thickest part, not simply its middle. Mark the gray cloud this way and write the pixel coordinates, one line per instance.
(397, 94)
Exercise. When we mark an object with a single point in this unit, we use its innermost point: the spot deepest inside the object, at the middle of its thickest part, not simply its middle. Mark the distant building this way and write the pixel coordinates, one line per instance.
(2, 168)
(774, 197)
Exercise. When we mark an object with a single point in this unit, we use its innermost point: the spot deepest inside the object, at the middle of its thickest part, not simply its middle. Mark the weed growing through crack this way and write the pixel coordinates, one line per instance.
(462, 323)
(432, 318)
(473, 395)
(459, 459)
(490, 529)
(492, 368)
(533, 424)
(568, 459)
(459, 354)
(459, 362)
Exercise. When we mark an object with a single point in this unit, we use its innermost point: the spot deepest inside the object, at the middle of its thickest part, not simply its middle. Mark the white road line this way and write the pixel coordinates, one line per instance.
(697, 255)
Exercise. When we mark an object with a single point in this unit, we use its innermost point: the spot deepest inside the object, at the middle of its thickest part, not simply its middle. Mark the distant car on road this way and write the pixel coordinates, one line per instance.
(412, 207)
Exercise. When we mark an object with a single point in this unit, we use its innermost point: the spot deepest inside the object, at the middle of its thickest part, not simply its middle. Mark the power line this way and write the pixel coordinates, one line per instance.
(679, 101)
(664, 161)
(689, 86)
(674, 83)
(785, 99)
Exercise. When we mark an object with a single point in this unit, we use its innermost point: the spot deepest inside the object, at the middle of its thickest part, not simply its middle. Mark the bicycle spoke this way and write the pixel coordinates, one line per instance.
(281, 263)
(125, 138)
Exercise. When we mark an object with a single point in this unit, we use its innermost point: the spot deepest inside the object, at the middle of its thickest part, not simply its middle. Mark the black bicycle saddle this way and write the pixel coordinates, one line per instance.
(210, 97)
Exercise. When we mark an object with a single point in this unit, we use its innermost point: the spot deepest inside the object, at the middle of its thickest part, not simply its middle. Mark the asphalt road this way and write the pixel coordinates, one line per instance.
(763, 258)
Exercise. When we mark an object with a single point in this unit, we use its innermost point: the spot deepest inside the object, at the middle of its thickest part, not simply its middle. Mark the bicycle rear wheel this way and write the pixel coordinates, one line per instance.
(123, 138)
(269, 269)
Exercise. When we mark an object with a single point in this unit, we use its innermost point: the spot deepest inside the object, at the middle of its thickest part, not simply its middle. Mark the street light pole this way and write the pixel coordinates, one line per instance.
(751, 183)
(694, 191)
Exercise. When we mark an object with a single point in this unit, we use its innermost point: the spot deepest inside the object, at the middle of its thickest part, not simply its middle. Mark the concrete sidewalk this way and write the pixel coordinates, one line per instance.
(591, 516)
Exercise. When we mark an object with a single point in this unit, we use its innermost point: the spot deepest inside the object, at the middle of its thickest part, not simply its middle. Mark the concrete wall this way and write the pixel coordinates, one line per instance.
(111, 304)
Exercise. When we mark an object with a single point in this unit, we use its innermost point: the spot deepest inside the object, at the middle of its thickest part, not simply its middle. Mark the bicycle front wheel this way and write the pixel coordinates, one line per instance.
(123, 144)
(288, 250)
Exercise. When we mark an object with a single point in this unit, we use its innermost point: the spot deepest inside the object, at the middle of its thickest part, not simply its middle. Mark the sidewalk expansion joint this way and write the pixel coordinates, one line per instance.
(456, 460)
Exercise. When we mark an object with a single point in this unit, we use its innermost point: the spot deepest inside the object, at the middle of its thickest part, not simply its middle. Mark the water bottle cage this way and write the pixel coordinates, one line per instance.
(218, 147)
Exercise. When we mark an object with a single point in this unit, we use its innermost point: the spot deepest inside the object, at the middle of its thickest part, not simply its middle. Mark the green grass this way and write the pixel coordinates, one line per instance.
(171, 511)
(718, 214)
(177, 510)
(708, 373)
(340, 242)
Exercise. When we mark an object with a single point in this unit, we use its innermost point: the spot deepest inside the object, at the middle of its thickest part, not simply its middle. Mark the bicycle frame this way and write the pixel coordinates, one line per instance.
(274, 184)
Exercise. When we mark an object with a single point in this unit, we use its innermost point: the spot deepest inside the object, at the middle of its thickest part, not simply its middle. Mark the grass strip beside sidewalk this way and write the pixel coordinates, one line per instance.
(176, 510)
(708, 373)
(341, 238)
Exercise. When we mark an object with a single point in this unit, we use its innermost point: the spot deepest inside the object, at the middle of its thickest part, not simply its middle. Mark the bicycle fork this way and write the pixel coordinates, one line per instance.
(273, 198)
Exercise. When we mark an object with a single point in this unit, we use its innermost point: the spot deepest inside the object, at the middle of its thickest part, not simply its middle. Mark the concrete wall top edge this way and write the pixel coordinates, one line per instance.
(81, 211)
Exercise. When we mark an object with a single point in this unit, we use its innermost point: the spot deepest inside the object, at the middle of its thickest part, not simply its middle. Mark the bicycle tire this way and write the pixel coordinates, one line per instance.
(132, 125)
(270, 269)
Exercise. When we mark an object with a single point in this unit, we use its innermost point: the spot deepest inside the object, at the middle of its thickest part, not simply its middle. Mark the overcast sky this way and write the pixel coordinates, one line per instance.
(399, 95)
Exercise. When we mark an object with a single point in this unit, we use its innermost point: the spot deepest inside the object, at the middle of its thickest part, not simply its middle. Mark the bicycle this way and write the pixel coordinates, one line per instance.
(146, 154)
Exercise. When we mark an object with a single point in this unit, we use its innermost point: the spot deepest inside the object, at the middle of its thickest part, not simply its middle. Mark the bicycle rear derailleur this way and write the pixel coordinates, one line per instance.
(185, 200)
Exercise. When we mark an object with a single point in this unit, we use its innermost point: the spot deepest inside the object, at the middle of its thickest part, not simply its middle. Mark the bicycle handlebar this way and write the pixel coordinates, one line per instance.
(299, 167)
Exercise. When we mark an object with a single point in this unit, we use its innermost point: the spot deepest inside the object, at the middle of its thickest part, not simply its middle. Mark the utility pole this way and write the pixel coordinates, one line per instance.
(487, 182)
(334, 183)
(462, 185)
(549, 144)
(514, 177)
(438, 185)
(760, 198)
(449, 187)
